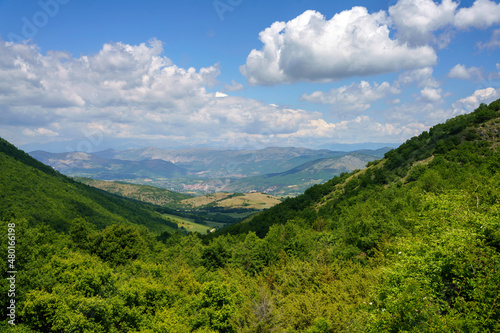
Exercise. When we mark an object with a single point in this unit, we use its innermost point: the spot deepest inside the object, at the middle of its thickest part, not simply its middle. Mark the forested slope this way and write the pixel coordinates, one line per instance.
(457, 148)
(32, 190)
(410, 244)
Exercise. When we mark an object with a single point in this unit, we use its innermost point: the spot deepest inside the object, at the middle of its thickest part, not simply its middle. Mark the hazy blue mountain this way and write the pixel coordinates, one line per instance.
(89, 165)
(235, 163)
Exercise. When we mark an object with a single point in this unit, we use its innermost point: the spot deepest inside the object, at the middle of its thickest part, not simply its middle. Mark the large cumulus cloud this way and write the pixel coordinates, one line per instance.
(355, 42)
(312, 48)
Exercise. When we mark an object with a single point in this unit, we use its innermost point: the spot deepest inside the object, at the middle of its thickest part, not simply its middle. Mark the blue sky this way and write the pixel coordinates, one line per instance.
(88, 75)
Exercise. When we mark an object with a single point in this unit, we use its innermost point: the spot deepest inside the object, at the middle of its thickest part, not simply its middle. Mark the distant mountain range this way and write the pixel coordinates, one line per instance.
(90, 165)
(90, 145)
(232, 163)
(274, 170)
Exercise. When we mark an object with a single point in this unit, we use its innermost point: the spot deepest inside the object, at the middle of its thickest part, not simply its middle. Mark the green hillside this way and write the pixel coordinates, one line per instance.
(295, 181)
(145, 193)
(32, 190)
(450, 156)
(409, 244)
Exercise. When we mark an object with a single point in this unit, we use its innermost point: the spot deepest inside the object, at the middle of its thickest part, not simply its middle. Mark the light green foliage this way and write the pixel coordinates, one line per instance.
(80, 297)
(167, 321)
(86, 275)
(60, 311)
(217, 305)
(443, 280)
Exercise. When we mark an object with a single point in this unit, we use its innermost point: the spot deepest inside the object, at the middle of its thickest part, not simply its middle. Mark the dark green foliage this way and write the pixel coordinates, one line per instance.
(217, 254)
(82, 233)
(119, 244)
(203, 214)
(38, 193)
(20, 156)
(164, 237)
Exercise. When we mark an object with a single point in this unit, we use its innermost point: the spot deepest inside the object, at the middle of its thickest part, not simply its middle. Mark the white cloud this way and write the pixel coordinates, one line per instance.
(482, 14)
(220, 95)
(431, 95)
(134, 93)
(461, 72)
(234, 86)
(311, 48)
(354, 97)
(417, 20)
(434, 113)
(494, 42)
(472, 102)
(429, 110)
(423, 77)
(40, 132)
(348, 131)
(118, 75)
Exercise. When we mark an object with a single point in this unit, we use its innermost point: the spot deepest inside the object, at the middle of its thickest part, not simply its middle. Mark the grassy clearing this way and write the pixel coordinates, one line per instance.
(234, 200)
(187, 224)
(191, 226)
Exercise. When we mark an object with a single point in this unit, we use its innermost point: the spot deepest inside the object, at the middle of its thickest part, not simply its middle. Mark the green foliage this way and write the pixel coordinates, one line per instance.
(217, 305)
(216, 254)
(287, 210)
(78, 300)
(20, 156)
(119, 244)
(445, 280)
(81, 233)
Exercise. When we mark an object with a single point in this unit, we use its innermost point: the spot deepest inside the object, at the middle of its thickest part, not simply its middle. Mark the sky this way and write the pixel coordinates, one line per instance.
(89, 75)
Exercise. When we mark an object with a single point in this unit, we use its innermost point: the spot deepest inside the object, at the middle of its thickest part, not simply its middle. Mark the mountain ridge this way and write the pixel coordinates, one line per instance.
(198, 171)
(81, 164)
